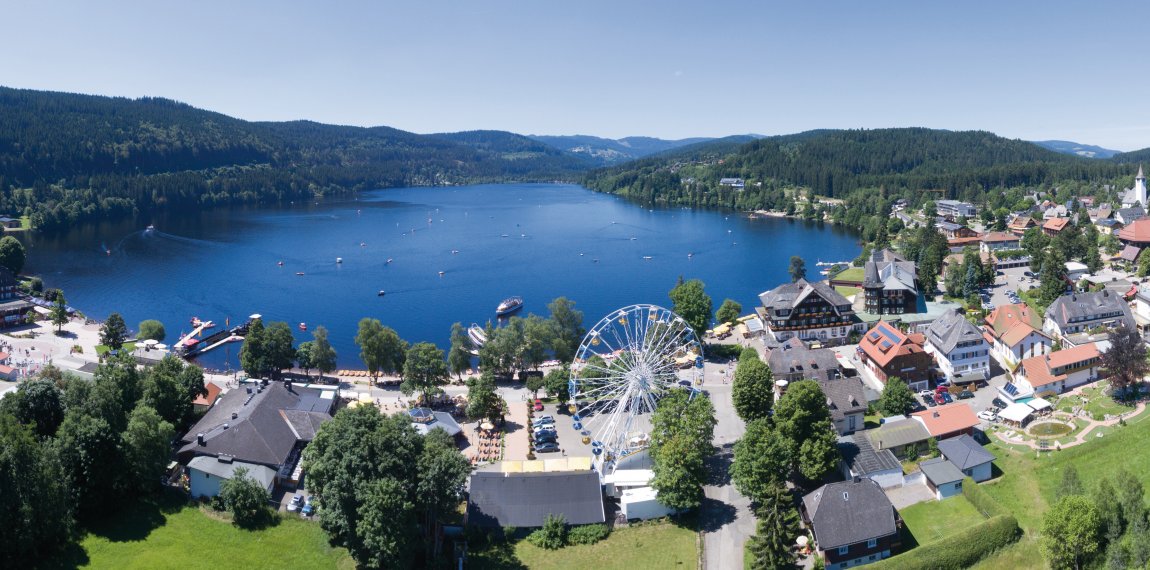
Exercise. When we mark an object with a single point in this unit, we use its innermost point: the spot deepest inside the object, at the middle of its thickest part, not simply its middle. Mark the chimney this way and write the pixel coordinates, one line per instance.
(200, 438)
(235, 415)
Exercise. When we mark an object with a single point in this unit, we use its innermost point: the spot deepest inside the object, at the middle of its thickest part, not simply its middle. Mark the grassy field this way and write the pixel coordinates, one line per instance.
(1027, 483)
(171, 534)
(932, 520)
(1098, 404)
(128, 346)
(647, 546)
(852, 274)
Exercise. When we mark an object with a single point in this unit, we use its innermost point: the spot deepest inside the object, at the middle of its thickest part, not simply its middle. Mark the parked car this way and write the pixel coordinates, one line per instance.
(987, 415)
(544, 419)
(295, 504)
(545, 433)
(928, 401)
(549, 424)
(999, 403)
(538, 405)
(548, 447)
(942, 387)
(307, 510)
(938, 399)
(965, 395)
(946, 397)
(925, 394)
(546, 438)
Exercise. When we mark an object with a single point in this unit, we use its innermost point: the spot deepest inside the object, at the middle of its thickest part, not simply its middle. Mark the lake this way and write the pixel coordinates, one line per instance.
(539, 241)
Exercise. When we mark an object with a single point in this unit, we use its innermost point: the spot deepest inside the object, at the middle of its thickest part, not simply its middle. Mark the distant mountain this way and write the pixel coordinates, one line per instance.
(1079, 149)
(604, 152)
(66, 158)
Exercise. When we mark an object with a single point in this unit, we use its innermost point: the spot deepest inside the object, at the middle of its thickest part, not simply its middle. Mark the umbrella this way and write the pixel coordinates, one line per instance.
(151, 342)
(486, 425)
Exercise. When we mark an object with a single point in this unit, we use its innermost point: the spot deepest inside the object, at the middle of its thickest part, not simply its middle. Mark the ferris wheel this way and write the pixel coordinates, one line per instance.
(626, 362)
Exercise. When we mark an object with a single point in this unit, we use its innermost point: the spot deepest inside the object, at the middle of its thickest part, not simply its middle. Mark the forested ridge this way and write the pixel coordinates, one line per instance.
(867, 169)
(66, 158)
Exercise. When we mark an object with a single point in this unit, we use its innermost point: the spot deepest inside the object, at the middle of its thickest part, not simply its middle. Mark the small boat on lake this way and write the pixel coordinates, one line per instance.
(303, 326)
(509, 305)
(381, 293)
(339, 260)
(477, 335)
(300, 273)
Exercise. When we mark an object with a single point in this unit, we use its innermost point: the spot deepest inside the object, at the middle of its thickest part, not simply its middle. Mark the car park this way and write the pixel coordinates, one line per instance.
(295, 504)
(987, 415)
(548, 447)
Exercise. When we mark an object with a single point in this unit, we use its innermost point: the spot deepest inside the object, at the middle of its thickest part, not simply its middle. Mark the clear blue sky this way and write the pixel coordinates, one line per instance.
(1025, 69)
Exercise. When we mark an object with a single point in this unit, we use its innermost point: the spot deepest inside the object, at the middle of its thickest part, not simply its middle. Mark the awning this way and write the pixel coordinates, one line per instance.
(722, 329)
(1039, 404)
(1016, 413)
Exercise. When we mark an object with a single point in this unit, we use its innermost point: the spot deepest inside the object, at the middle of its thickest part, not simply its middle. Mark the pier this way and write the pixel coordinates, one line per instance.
(190, 346)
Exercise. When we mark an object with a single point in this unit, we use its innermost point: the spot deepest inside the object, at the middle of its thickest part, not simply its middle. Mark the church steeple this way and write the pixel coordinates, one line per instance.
(1140, 175)
(1140, 188)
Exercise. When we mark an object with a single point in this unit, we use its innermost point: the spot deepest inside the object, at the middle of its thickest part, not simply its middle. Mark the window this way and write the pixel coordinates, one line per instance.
(843, 550)
(872, 543)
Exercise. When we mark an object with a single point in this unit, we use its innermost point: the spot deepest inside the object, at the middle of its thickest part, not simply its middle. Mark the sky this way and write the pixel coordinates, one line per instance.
(1034, 70)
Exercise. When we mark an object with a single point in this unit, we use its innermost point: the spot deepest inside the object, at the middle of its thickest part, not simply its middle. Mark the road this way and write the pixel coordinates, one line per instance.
(725, 517)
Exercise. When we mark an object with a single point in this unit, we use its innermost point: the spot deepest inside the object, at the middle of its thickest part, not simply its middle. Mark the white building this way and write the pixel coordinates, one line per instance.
(958, 347)
(1082, 312)
(1014, 335)
(1076, 270)
(1059, 371)
(953, 209)
(206, 474)
(1137, 194)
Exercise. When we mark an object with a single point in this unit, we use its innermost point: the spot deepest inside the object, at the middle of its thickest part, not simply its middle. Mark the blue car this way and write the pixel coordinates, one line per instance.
(946, 397)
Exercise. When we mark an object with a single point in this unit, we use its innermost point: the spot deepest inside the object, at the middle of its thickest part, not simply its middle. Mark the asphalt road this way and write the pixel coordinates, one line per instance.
(725, 517)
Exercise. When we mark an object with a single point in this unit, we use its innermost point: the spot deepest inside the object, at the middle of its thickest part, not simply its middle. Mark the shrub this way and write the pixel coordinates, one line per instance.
(982, 501)
(553, 535)
(960, 550)
(588, 534)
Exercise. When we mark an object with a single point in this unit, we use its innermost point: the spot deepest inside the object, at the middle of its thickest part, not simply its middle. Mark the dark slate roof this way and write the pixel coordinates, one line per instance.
(940, 471)
(436, 420)
(525, 499)
(950, 329)
(1127, 215)
(1087, 306)
(964, 452)
(844, 396)
(226, 469)
(897, 434)
(887, 270)
(791, 294)
(849, 512)
(793, 357)
(268, 423)
(861, 457)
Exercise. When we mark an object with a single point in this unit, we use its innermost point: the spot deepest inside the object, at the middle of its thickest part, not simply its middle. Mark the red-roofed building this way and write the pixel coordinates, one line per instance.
(202, 403)
(951, 420)
(1015, 333)
(8, 373)
(997, 241)
(1059, 371)
(1020, 223)
(887, 351)
(1054, 226)
(1136, 233)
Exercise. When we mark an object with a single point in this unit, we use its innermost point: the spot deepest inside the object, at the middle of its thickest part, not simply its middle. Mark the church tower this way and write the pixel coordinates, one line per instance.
(1140, 187)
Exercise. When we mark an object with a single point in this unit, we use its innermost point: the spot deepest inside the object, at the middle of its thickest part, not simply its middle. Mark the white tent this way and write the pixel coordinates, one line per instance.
(1016, 413)
(1039, 404)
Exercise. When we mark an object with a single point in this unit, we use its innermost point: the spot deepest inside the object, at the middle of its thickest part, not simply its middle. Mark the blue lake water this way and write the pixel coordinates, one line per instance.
(539, 241)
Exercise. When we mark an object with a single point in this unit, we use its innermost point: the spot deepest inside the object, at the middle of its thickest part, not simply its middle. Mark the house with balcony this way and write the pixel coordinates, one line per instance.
(1020, 222)
(1015, 333)
(807, 311)
(886, 351)
(953, 209)
(959, 349)
(1084, 312)
(854, 523)
(890, 285)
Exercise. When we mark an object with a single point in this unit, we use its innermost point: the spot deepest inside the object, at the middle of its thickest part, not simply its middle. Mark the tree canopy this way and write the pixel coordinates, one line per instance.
(682, 429)
(896, 398)
(729, 312)
(424, 371)
(12, 254)
(113, 332)
(690, 301)
(753, 389)
(380, 348)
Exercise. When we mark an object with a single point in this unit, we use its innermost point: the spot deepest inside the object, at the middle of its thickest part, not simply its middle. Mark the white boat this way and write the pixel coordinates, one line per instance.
(477, 335)
(509, 305)
(339, 260)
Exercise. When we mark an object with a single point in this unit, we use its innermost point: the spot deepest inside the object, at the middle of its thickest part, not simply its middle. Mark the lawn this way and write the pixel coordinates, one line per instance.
(855, 274)
(172, 534)
(1098, 404)
(128, 347)
(932, 520)
(1025, 484)
(665, 545)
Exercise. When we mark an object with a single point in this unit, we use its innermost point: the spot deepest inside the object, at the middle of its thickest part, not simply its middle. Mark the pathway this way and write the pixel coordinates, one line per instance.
(725, 516)
(1082, 435)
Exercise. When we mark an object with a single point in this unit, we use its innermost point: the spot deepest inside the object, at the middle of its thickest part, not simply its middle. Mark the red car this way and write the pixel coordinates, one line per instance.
(938, 399)
(538, 405)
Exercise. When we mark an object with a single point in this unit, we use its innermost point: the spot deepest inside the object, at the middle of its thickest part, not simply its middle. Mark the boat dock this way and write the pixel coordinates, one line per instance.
(190, 346)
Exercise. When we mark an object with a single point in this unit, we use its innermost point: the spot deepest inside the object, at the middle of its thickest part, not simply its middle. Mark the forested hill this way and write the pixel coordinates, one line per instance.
(605, 152)
(836, 163)
(66, 158)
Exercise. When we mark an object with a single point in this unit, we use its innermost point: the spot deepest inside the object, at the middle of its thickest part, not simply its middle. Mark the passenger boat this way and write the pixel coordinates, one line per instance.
(509, 305)
(477, 335)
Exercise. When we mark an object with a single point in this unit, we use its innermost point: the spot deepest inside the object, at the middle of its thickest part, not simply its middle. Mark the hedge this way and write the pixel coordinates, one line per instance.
(982, 502)
(960, 550)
